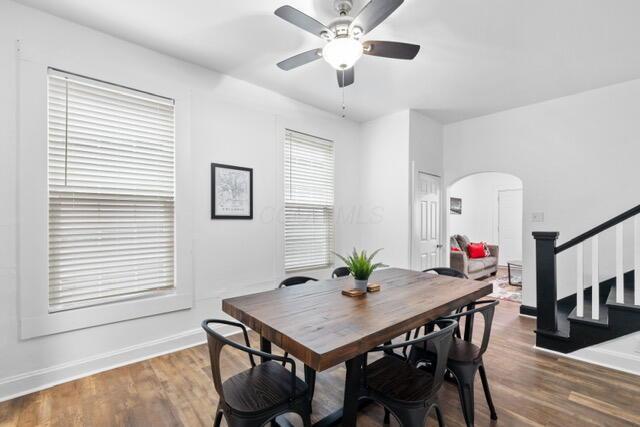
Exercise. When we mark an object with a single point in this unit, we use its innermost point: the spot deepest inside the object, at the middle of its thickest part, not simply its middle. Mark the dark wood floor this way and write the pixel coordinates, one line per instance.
(529, 389)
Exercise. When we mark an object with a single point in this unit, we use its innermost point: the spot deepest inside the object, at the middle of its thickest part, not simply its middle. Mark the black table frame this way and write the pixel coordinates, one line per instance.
(346, 415)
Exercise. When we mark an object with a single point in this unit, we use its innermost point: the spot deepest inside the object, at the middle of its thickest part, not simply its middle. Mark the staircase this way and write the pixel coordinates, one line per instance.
(593, 314)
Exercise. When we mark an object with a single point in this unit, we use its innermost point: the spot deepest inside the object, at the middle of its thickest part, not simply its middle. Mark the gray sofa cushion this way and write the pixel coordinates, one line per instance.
(489, 261)
(476, 265)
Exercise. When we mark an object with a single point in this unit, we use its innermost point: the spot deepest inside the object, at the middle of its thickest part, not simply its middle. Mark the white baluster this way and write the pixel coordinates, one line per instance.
(595, 282)
(619, 265)
(580, 280)
(636, 259)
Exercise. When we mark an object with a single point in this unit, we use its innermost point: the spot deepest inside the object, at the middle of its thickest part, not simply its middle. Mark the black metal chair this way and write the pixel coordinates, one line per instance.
(465, 358)
(296, 280)
(446, 271)
(340, 272)
(310, 375)
(262, 392)
(402, 388)
(442, 271)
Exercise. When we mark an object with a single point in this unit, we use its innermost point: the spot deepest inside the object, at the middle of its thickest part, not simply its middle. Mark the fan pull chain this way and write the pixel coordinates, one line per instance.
(344, 108)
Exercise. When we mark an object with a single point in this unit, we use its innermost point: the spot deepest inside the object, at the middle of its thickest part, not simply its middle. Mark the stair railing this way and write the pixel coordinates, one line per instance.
(546, 273)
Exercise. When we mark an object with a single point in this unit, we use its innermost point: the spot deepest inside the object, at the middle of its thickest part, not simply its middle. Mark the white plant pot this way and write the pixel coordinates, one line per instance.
(361, 284)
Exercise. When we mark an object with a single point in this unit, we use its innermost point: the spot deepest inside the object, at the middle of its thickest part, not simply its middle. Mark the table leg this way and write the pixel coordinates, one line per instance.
(310, 379)
(509, 272)
(351, 390)
(348, 414)
(265, 345)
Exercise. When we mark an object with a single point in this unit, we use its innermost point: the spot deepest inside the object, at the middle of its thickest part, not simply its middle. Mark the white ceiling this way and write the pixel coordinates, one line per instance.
(477, 56)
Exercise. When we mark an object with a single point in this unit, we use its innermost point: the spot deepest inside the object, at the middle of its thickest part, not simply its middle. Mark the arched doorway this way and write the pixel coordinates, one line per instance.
(488, 207)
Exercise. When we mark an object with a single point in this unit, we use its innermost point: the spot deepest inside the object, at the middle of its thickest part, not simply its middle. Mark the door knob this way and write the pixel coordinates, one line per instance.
(438, 246)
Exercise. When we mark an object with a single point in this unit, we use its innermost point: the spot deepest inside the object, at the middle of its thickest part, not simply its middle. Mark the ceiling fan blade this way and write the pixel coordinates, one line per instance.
(373, 13)
(300, 59)
(346, 77)
(303, 21)
(394, 50)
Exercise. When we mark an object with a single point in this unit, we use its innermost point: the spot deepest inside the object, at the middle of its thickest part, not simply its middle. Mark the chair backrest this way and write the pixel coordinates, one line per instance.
(487, 309)
(216, 343)
(296, 280)
(440, 341)
(341, 272)
(446, 271)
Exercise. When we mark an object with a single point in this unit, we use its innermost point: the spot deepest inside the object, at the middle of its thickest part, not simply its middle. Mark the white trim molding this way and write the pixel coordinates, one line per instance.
(29, 382)
(35, 318)
(614, 360)
(41, 379)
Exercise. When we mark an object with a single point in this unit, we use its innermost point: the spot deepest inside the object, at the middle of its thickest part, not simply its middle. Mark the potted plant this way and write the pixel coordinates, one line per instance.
(360, 265)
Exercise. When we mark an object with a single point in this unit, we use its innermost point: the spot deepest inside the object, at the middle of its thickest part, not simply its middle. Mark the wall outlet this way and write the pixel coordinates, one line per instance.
(537, 217)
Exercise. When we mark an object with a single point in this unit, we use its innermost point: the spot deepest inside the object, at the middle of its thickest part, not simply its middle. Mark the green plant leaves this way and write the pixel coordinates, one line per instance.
(360, 264)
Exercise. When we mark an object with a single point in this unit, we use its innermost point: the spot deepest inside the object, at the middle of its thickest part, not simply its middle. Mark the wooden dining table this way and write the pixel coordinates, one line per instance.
(323, 328)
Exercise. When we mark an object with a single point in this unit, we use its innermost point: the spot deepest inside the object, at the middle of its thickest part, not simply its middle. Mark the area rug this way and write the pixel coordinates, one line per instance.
(504, 291)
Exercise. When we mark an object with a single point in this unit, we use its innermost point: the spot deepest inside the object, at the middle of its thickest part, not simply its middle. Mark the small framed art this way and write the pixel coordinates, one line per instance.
(231, 192)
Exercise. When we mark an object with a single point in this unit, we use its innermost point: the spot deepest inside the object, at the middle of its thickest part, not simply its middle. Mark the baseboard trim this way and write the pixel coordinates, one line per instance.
(527, 310)
(527, 316)
(584, 360)
(29, 382)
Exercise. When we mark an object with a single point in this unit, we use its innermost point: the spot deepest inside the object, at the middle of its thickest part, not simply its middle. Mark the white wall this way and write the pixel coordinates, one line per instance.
(384, 168)
(425, 143)
(479, 194)
(231, 121)
(576, 157)
(394, 147)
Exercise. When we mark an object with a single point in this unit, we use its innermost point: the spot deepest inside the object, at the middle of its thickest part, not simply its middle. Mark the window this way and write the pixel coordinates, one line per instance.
(308, 201)
(111, 192)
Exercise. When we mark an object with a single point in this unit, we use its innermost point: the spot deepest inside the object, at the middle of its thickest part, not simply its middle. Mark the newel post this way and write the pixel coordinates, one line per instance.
(546, 280)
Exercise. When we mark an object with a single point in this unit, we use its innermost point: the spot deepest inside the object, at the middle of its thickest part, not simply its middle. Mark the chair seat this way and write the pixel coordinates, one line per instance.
(396, 379)
(261, 388)
(460, 351)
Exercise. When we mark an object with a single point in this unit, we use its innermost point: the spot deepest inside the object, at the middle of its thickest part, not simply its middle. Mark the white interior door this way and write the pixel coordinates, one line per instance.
(426, 235)
(510, 225)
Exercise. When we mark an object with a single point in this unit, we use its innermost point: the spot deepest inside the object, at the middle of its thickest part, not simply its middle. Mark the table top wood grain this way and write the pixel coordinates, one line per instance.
(321, 327)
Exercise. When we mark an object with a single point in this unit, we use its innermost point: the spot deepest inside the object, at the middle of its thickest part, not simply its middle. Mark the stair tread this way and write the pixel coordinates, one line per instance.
(628, 299)
(603, 321)
(616, 320)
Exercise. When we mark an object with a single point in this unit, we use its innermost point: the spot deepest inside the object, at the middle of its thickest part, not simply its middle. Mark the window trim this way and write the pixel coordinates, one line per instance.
(35, 319)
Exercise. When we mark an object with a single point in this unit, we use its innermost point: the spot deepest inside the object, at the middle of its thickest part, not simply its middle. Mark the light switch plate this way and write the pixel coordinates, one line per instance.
(537, 217)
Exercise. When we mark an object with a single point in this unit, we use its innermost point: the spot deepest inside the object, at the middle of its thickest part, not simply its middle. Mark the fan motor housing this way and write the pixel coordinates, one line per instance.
(340, 26)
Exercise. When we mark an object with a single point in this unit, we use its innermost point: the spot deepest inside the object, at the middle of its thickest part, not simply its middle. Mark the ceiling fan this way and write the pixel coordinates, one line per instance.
(343, 36)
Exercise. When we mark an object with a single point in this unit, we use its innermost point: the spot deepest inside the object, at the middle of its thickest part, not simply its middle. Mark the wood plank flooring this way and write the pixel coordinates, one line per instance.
(529, 389)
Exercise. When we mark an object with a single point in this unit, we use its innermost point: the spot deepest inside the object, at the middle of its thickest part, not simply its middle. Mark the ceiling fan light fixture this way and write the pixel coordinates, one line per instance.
(342, 53)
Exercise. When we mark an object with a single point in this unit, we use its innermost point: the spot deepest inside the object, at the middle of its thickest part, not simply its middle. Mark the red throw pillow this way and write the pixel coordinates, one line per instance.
(476, 250)
(454, 249)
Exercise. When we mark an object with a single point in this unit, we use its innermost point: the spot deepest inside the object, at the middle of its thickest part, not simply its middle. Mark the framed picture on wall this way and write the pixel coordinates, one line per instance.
(231, 192)
(455, 206)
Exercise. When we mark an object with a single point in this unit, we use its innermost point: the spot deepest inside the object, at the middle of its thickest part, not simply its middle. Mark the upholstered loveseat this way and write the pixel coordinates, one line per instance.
(474, 268)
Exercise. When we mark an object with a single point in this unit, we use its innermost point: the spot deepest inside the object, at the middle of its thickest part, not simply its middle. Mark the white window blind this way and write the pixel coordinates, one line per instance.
(111, 182)
(308, 185)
